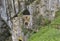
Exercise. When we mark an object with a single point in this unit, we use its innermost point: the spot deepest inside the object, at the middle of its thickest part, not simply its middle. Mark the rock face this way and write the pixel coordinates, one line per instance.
(4, 30)
(9, 10)
(46, 8)
(16, 31)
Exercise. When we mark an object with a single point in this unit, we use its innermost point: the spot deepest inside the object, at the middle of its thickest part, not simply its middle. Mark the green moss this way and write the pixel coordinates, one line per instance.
(46, 34)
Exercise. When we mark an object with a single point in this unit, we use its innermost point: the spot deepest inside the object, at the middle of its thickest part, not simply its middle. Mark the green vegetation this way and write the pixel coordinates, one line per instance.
(48, 33)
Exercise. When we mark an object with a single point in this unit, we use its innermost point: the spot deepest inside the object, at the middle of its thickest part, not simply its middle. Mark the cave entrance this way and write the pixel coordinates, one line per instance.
(20, 40)
(26, 12)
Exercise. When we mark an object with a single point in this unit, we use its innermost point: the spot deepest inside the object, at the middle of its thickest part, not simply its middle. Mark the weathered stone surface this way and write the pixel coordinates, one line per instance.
(4, 30)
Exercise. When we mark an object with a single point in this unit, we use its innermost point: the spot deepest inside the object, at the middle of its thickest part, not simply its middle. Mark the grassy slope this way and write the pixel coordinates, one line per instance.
(48, 33)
